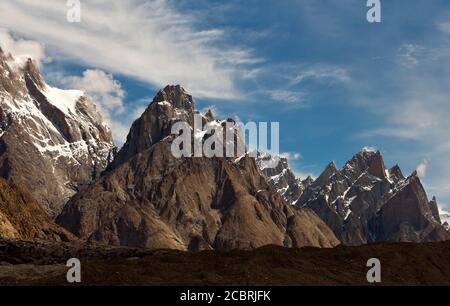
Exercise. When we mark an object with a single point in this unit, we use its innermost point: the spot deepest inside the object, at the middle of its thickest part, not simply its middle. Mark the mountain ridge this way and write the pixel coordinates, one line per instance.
(364, 202)
(196, 203)
(56, 143)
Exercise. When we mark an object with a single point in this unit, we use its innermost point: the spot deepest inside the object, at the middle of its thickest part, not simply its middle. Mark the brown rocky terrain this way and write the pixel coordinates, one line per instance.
(54, 144)
(149, 198)
(24, 263)
(22, 217)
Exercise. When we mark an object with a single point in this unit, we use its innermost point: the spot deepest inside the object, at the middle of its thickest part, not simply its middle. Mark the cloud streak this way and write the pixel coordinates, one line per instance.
(21, 49)
(147, 40)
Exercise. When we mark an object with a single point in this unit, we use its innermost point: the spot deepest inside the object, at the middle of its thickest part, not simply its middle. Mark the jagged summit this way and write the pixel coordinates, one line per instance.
(150, 198)
(170, 105)
(53, 141)
(396, 173)
(33, 73)
(209, 115)
(363, 202)
(177, 96)
(329, 172)
(281, 178)
(377, 167)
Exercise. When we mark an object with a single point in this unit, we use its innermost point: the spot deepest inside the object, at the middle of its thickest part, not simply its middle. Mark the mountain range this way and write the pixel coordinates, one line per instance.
(364, 202)
(64, 180)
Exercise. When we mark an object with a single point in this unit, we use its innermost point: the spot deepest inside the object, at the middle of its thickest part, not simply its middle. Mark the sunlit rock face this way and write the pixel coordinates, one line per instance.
(149, 198)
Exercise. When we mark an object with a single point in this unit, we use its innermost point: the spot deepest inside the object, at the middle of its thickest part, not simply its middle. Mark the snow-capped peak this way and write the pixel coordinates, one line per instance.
(57, 131)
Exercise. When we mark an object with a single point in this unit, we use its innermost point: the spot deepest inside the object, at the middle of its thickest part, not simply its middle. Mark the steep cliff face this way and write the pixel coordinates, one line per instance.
(52, 141)
(408, 216)
(22, 218)
(364, 202)
(150, 198)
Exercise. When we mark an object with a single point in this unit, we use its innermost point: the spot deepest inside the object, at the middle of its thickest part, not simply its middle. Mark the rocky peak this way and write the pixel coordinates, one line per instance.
(177, 96)
(377, 167)
(327, 174)
(434, 209)
(170, 105)
(281, 166)
(352, 199)
(150, 198)
(408, 216)
(396, 173)
(209, 115)
(308, 181)
(32, 71)
(53, 141)
(281, 178)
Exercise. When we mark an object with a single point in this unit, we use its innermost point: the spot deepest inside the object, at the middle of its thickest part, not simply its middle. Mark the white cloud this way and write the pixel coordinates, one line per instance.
(442, 210)
(148, 40)
(302, 174)
(294, 164)
(21, 49)
(287, 96)
(107, 92)
(287, 82)
(369, 149)
(108, 95)
(291, 156)
(422, 168)
(408, 54)
(330, 73)
(213, 108)
(444, 26)
(412, 115)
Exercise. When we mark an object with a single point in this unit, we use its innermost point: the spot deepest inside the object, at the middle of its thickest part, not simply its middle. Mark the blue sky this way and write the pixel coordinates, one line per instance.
(335, 82)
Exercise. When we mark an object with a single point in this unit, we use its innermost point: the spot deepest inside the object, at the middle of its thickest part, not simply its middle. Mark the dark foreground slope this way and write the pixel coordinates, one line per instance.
(24, 263)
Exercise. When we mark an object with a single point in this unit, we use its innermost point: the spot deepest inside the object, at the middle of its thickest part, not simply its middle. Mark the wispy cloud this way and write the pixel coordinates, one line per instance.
(327, 73)
(21, 49)
(291, 156)
(147, 40)
(296, 84)
(108, 95)
(287, 96)
(413, 112)
(408, 54)
(442, 210)
(422, 168)
(107, 92)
